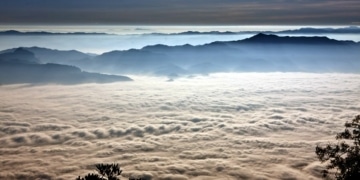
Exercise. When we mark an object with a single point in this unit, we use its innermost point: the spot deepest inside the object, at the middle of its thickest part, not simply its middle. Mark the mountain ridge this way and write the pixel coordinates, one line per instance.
(304, 30)
(21, 66)
(259, 53)
(39, 33)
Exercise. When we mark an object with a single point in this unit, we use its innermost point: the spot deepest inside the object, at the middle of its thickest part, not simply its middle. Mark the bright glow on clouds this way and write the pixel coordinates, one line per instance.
(221, 126)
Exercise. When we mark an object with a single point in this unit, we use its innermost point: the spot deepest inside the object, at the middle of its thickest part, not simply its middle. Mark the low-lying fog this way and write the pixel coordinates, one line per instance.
(103, 43)
(221, 126)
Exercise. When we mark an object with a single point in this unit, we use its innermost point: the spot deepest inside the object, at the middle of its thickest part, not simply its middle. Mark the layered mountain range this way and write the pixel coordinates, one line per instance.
(41, 33)
(21, 66)
(260, 53)
(306, 30)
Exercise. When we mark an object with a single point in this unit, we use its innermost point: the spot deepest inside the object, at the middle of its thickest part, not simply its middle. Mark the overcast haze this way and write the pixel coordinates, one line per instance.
(213, 12)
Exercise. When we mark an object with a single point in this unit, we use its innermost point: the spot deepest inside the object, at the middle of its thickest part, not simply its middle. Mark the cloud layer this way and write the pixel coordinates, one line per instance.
(221, 126)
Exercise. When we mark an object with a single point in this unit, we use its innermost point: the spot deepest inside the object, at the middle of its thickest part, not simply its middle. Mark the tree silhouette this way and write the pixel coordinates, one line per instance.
(90, 176)
(106, 171)
(343, 157)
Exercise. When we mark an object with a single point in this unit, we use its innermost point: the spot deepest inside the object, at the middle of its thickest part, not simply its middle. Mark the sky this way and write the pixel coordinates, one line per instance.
(181, 12)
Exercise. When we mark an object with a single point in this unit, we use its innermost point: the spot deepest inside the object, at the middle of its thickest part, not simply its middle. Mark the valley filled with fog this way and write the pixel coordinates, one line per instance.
(220, 126)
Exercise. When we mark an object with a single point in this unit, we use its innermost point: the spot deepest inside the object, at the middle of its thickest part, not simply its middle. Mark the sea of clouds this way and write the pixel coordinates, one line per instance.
(220, 126)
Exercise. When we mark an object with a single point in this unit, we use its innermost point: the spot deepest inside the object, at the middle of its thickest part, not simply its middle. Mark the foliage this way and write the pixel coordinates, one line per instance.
(106, 171)
(343, 157)
(90, 176)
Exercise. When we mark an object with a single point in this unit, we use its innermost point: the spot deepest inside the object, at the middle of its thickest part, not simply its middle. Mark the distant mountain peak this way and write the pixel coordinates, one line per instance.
(262, 38)
(22, 51)
(263, 35)
(19, 55)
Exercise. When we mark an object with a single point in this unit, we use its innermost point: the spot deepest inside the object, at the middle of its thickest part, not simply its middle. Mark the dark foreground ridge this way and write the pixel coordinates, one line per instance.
(21, 66)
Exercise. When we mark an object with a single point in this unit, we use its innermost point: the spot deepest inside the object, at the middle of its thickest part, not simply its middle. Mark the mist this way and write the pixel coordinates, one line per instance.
(259, 53)
(98, 44)
(220, 126)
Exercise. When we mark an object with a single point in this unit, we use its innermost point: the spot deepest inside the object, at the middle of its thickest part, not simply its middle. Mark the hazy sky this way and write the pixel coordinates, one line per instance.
(179, 12)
